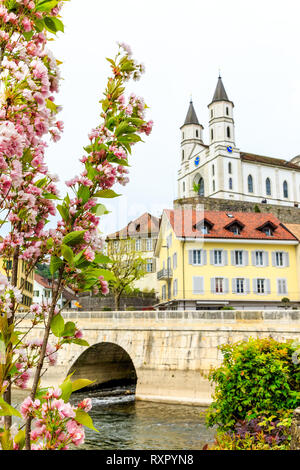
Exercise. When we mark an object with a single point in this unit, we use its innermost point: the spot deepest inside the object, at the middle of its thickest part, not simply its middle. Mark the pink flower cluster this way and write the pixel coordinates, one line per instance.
(55, 425)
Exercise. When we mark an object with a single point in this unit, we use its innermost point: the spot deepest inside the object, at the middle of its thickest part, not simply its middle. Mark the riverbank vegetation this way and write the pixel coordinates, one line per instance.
(257, 388)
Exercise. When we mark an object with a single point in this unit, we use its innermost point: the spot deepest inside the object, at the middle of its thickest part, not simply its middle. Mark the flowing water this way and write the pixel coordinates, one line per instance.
(124, 423)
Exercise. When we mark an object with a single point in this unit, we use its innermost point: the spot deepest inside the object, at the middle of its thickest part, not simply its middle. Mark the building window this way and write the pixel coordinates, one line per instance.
(240, 286)
(149, 244)
(268, 187)
(214, 185)
(175, 261)
(36, 293)
(259, 258)
(228, 132)
(229, 168)
(281, 286)
(183, 136)
(201, 187)
(285, 189)
(138, 244)
(197, 133)
(218, 257)
(219, 285)
(149, 265)
(212, 135)
(175, 287)
(227, 111)
(213, 170)
(279, 255)
(260, 286)
(163, 292)
(182, 155)
(250, 184)
(204, 229)
(238, 258)
(197, 256)
(211, 113)
(230, 183)
(183, 186)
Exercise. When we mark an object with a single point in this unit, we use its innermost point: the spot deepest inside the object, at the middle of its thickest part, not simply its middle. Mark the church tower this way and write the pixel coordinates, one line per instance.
(191, 134)
(221, 123)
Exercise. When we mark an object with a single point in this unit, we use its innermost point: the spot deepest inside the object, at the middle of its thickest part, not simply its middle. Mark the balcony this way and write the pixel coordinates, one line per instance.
(164, 274)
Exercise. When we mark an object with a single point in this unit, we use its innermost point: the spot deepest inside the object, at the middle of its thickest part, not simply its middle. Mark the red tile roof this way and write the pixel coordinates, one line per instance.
(184, 222)
(144, 225)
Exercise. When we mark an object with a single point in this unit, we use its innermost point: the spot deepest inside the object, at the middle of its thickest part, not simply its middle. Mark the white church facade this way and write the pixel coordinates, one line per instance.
(221, 170)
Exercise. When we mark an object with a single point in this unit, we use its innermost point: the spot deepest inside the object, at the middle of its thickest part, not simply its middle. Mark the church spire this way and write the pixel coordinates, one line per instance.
(220, 93)
(191, 117)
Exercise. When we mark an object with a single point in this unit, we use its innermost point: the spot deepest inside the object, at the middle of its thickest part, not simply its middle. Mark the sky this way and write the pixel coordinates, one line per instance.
(183, 45)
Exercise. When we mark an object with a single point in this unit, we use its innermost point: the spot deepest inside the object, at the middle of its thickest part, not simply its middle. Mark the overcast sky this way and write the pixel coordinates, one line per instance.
(183, 44)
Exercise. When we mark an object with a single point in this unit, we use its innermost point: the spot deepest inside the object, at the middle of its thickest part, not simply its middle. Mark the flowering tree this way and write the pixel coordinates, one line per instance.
(29, 78)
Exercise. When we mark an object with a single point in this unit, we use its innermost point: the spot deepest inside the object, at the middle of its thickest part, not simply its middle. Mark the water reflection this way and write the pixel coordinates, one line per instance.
(127, 424)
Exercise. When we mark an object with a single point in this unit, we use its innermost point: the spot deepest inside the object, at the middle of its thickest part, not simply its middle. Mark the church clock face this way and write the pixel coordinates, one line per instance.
(229, 149)
(197, 161)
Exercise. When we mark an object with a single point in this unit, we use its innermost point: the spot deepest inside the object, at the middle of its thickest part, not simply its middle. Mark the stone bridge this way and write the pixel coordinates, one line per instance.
(167, 352)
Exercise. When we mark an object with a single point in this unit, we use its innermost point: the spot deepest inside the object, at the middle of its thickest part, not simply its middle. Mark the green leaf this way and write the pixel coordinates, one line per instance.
(106, 193)
(73, 238)
(83, 193)
(57, 325)
(51, 196)
(124, 128)
(84, 418)
(8, 410)
(102, 259)
(69, 329)
(99, 210)
(80, 342)
(63, 212)
(68, 254)
(81, 383)
(53, 24)
(20, 438)
(66, 389)
(46, 5)
(49, 243)
(55, 264)
(52, 106)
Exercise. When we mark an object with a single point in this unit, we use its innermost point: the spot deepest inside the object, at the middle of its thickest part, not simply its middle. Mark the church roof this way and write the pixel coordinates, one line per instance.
(191, 117)
(251, 157)
(220, 93)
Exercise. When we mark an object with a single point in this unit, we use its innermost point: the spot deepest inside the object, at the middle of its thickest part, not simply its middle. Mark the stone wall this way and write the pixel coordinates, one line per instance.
(171, 351)
(286, 214)
(99, 303)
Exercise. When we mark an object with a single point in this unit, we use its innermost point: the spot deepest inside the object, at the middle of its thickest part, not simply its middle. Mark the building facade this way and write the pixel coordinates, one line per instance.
(220, 169)
(213, 259)
(24, 280)
(139, 236)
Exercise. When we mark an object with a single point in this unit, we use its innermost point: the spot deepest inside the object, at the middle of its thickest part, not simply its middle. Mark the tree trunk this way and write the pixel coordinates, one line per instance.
(117, 301)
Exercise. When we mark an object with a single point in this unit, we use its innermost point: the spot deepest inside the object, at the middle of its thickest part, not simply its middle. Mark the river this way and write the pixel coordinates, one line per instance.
(127, 424)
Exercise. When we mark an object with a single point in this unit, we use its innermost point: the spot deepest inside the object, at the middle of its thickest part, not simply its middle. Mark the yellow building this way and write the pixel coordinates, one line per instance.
(139, 236)
(23, 283)
(214, 259)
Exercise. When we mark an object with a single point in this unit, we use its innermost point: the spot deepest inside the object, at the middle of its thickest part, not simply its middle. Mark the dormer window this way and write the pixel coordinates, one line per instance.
(268, 228)
(235, 227)
(204, 226)
(138, 227)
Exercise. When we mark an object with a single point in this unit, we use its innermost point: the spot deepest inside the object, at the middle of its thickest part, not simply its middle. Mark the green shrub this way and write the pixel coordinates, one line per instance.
(227, 307)
(107, 309)
(258, 377)
(256, 208)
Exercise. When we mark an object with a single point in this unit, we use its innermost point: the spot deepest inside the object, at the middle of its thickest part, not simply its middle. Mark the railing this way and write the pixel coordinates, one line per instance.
(165, 274)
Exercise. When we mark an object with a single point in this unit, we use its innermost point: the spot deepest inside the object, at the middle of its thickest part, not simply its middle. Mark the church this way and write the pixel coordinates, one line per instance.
(221, 170)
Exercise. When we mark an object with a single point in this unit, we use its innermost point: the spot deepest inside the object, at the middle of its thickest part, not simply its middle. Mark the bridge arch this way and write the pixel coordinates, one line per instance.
(105, 363)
